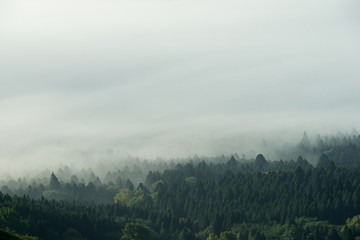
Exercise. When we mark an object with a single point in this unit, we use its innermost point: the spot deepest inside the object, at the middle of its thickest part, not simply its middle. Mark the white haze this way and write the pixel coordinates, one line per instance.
(172, 78)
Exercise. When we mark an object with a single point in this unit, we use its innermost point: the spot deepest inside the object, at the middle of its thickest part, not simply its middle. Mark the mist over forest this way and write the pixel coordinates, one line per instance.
(89, 165)
(179, 120)
(273, 146)
(199, 197)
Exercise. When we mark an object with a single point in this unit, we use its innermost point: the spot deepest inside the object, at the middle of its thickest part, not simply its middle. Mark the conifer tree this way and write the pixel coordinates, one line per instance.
(54, 182)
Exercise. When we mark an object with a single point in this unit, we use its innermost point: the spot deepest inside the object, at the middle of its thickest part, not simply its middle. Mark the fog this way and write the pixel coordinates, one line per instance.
(172, 78)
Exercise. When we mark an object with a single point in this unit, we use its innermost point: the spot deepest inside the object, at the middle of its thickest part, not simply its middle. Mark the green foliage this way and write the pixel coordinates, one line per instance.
(112, 189)
(125, 196)
(186, 234)
(205, 233)
(135, 231)
(5, 235)
(354, 223)
(212, 236)
(158, 186)
(8, 216)
(227, 236)
(352, 227)
(131, 198)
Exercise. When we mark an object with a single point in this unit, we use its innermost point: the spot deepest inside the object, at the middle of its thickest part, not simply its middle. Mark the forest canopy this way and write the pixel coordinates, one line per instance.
(224, 197)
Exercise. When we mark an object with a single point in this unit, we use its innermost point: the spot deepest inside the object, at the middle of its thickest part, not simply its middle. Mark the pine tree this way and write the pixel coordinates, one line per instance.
(129, 185)
(54, 182)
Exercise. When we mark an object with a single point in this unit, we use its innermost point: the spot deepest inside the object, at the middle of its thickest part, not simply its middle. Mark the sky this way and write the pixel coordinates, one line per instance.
(172, 78)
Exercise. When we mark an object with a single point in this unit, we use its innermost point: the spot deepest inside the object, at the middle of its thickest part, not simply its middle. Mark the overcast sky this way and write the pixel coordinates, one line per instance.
(172, 77)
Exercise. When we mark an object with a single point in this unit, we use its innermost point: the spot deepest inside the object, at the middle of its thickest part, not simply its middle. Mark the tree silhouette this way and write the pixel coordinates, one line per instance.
(54, 182)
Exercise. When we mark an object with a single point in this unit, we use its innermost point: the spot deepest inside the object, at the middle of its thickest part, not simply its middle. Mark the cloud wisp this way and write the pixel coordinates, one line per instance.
(171, 78)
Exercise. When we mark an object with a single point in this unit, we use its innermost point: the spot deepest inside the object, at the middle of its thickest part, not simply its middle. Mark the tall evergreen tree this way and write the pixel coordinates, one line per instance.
(54, 182)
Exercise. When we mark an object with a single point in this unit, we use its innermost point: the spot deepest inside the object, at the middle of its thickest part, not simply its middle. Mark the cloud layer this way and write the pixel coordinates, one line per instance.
(172, 78)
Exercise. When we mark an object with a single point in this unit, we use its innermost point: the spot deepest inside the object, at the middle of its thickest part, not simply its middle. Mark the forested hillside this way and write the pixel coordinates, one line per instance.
(211, 198)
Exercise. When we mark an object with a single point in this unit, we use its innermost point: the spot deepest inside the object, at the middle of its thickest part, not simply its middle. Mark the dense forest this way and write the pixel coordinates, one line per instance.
(200, 198)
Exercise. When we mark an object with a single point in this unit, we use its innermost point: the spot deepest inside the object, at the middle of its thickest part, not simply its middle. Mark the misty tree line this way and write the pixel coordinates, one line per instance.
(205, 201)
(97, 191)
(227, 198)
(342, 149)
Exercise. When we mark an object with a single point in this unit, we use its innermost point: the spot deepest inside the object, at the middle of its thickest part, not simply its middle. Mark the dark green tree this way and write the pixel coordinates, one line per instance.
(135, 231)
(54, 182)
(129, 185)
